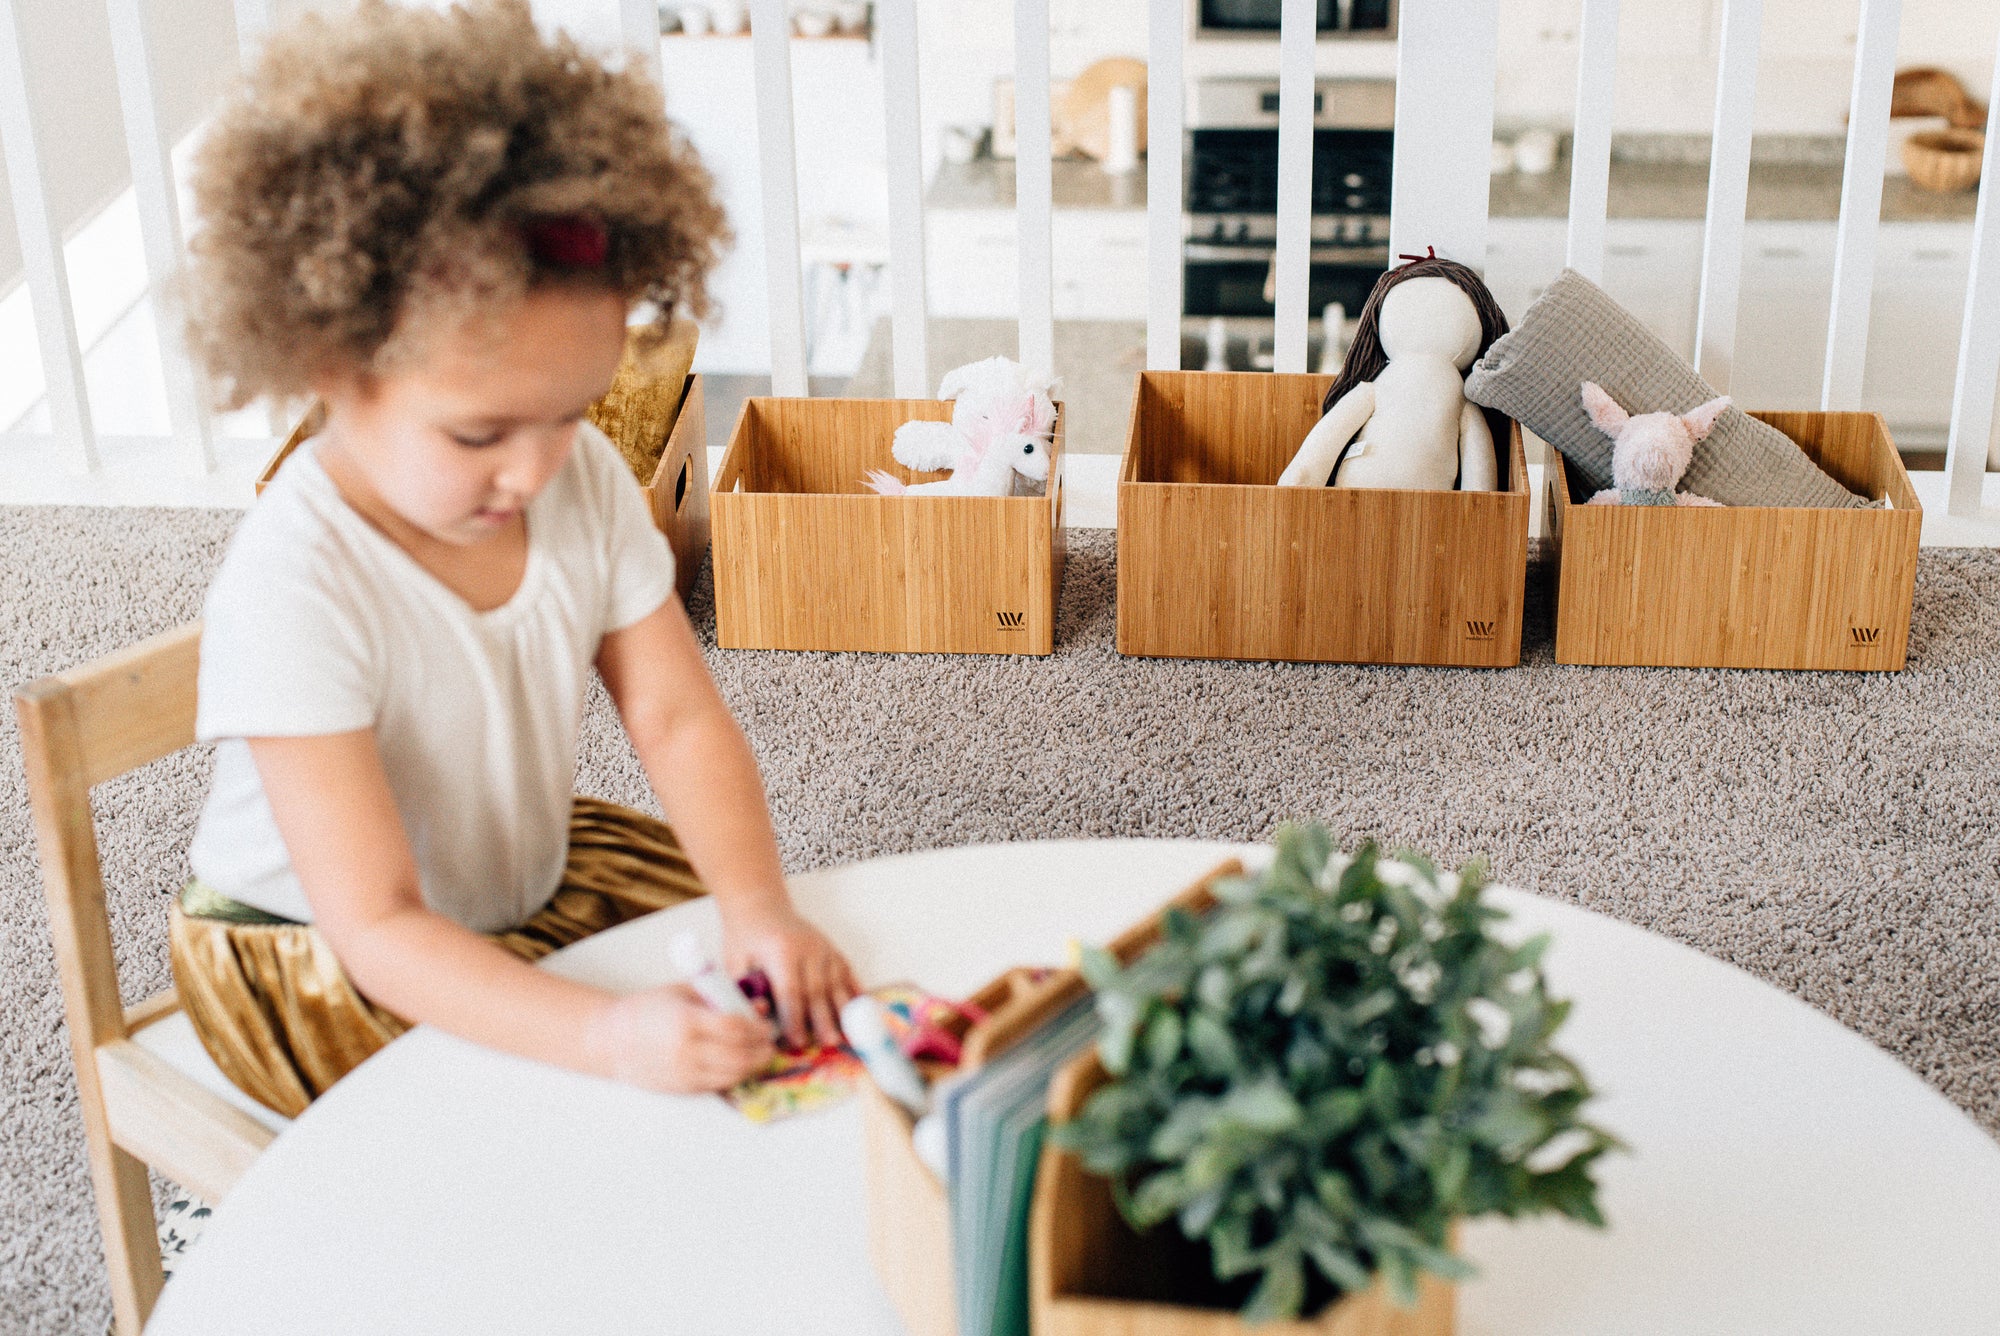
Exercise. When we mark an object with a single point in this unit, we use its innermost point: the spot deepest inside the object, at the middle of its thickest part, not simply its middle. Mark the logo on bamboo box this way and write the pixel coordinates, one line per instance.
(1012, 621)
(1479, 630)
(1864, 637)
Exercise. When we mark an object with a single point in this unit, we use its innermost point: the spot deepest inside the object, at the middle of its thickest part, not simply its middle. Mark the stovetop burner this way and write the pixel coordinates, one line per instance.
(1236, 171)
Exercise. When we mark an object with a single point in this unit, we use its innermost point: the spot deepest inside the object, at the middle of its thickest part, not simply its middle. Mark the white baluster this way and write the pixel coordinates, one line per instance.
(42, 253)
(1728, 191)
(1860, 204)
(896, 29)
(641, 19)
(1165, 184)
(253, 21)
(1293, 260)
(1446, 58)
(771, 42)
(1034, 183)
(1590, 143)
(1979, 337)
(160, 230)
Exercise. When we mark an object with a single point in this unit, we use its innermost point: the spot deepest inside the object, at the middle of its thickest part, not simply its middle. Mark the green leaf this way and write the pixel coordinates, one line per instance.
(1158, 1197)
(1201, 1210)
(1210, 1040)
(1282, 1290)
(1339, 1265)
(1100, 968)
(1163, 1037)
(1266, 1107)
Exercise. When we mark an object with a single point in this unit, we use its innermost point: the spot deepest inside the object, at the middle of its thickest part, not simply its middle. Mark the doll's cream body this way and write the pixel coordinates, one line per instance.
(1412, 426)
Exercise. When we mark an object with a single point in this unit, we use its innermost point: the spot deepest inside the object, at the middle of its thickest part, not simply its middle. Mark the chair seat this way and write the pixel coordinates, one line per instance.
(172, 1039)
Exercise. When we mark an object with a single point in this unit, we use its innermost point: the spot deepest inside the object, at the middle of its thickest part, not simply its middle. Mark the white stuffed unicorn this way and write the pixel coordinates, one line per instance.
(1000, 426)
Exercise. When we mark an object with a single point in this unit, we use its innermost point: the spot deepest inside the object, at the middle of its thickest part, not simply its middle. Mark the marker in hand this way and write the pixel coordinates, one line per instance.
(868, 1035)
(703, 975)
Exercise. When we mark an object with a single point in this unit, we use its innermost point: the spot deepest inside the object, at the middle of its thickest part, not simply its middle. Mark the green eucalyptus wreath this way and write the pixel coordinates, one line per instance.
(1323, 1073)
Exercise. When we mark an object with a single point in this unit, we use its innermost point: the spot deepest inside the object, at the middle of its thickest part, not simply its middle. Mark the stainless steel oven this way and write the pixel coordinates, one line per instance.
(1230, 247)
(1260, 18)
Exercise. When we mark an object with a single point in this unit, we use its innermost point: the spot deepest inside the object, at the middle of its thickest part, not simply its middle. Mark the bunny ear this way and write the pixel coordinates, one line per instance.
(1701, 420)
(1603, 409)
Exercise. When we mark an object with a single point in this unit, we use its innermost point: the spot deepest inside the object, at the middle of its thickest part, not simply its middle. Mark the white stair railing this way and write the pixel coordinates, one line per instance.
(1446, 71)
(42, 254)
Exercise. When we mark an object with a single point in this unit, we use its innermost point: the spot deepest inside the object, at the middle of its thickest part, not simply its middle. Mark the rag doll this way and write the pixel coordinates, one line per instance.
(1397, 415)
(1000, 425)
(1650, 452)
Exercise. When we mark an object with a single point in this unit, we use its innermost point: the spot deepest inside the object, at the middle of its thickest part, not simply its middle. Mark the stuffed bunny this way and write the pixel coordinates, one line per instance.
(1000, 426)
(1650, 452)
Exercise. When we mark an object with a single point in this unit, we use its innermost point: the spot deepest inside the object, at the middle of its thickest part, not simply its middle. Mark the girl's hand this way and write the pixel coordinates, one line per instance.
(810, 979)
(669, 1039)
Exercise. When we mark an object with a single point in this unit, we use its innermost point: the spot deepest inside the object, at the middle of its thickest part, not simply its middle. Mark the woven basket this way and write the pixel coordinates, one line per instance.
(1944, 159)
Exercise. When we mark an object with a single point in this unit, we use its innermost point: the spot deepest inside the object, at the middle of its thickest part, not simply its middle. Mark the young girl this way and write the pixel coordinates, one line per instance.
(437, 223)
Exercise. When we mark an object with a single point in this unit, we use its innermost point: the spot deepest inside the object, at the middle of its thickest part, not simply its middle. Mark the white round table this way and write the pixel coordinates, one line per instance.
(1785, 1177)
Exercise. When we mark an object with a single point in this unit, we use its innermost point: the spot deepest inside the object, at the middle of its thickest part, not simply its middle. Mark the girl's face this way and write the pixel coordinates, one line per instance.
(458, 445)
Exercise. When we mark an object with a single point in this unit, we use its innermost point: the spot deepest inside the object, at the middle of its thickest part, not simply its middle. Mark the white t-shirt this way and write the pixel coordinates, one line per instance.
(317, 623)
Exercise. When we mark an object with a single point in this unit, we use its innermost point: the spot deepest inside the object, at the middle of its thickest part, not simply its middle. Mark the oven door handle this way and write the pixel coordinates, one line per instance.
(1202, 252)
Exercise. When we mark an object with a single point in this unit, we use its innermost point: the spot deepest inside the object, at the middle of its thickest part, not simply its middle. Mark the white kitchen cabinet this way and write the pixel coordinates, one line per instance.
(1099, 269)
(1100, 264)
(970, 261)
(1781, 315)
(1921, 271)
(1523, 256)
(1653, 268)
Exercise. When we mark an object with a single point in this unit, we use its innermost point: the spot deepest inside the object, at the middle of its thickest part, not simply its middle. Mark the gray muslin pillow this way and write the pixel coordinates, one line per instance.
(1574, 332)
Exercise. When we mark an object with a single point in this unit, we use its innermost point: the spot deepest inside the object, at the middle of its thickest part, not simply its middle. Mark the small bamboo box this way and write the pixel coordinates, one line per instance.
(1216, 562)
(1085, 1264)
(677, 494)
(1746, 586)
(808, 558)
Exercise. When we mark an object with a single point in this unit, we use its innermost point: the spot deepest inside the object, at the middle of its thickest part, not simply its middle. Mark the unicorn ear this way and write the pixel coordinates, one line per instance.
(1603, 409)
(1701, 420)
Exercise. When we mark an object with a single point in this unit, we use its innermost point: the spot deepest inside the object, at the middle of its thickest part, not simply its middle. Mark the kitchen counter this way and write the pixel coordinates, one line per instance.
(1077, 183)
(1780, 191)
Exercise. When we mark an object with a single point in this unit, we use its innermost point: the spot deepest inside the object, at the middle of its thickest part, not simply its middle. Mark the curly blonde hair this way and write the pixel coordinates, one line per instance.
(378, 179)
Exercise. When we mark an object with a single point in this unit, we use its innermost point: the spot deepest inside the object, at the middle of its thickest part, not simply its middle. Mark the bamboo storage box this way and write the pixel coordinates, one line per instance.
(1746, 586)
(807, 558)
(677, 495)
(909, 1214)
(1216, 562)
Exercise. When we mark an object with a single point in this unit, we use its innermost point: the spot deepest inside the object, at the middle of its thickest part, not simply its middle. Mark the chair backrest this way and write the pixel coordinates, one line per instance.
(78, 729)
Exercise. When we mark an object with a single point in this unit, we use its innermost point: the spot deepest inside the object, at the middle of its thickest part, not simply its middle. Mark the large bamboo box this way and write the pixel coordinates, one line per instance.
(1746, 586)
(808, 558)
(1216, 562)
(677, 494)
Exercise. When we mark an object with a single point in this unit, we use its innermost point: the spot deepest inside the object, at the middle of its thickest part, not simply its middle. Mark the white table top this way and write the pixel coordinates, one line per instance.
(1786, 1175)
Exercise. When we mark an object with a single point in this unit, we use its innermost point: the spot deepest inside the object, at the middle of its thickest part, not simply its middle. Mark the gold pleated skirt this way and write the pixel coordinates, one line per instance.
(277, 1013)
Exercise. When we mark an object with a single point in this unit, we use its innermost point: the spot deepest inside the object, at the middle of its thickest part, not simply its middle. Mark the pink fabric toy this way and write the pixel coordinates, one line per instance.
(1650, 452)
(1000, 426)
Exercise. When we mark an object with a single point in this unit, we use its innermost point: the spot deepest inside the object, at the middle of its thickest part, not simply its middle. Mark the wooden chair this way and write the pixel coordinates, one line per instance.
(149, 1093)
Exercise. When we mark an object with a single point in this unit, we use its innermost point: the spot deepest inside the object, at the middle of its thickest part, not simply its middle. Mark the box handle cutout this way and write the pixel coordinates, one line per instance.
(681, 485)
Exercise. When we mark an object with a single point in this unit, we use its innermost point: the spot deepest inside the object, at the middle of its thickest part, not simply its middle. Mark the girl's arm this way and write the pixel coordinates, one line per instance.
(707, 783)
(333, 807)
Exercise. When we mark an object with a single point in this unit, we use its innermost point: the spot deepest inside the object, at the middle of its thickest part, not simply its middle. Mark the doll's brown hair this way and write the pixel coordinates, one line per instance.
(382, 177)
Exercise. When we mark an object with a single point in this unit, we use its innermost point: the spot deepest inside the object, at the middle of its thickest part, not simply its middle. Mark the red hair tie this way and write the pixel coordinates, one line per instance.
(1430, 254)
(568, 241)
